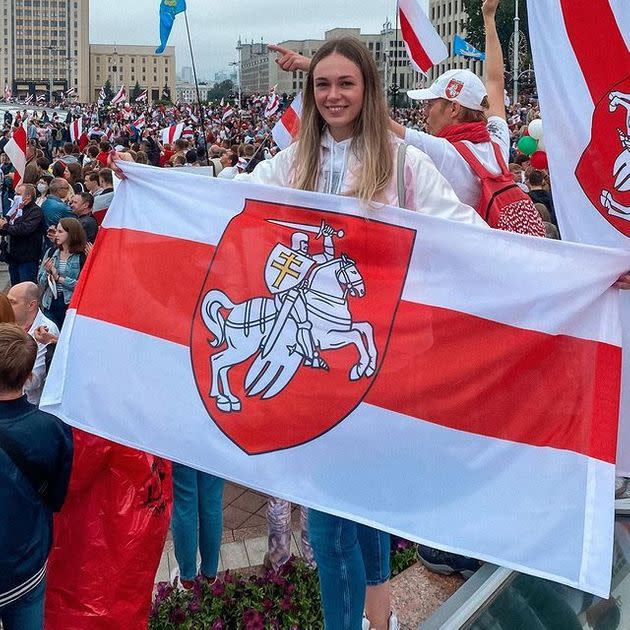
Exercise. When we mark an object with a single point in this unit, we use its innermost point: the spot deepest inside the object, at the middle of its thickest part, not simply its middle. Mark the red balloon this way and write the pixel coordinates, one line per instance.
(538, 160)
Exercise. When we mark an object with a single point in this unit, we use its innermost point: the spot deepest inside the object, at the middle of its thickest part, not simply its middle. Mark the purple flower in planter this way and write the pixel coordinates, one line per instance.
(267, 604)
(218, 589)
(164, 589)
(253, 620)
(178, 616)
(228, 578)
(194, 607)
(290, 589)
(285, 604)
(218, 625)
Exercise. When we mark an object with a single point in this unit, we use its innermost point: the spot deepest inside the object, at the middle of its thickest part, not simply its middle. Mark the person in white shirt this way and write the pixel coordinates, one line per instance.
(229, 161)
(24, 299)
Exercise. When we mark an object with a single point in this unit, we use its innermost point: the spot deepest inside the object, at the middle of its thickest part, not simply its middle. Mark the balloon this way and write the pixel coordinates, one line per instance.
(539, 160)
(535, 129)
(527, 145)
(541, 145)
(526, 131)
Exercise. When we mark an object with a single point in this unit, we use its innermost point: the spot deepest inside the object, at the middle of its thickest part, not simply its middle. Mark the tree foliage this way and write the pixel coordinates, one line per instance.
(137, 90)
(225, 89)
(505, 24)
(109, 92)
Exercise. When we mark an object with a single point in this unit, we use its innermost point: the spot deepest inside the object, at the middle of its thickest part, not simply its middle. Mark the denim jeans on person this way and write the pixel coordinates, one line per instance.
(197, 520)
(23, 272)
(27, 612)
(349, 557)
(279, 533)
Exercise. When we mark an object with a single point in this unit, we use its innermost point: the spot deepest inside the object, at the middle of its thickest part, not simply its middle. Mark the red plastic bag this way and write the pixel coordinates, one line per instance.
(108, 538)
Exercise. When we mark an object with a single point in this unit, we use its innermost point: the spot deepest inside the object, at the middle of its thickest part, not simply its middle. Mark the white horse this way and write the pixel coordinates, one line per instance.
(248, 324)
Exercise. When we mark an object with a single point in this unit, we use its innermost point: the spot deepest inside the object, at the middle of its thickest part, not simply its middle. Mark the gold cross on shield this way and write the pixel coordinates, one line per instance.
(285, 267)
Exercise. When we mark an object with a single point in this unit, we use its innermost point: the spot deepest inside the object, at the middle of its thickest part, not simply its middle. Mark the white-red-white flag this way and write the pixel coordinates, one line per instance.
(286, 130)
(16, 150)
(142, 98)
(76, 129)
(139, 122)
(273, 103)
(172, 133)
(228, 113)
(424, 44)
(120, 96)
(188, 132)
(440, 370)
(8, 94)
(582, 65)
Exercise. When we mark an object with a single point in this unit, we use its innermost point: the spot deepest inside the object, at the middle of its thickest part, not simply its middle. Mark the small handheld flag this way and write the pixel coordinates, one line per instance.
(463, 48)
(168, 10)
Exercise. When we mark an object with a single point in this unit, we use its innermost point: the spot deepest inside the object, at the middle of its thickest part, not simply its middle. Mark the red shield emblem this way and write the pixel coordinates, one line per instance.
(604, 168)
(293, 321)
(453, 88)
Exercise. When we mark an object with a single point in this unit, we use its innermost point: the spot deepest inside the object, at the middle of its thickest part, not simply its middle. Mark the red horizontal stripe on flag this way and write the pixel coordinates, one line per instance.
(291, 122)
(484, 377)
(461, 371)
(418, 53)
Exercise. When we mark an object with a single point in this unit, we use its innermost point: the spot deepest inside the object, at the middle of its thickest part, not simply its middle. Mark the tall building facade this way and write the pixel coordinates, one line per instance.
(44, 44)
(259, 72)
(449, 19)
(128, 65)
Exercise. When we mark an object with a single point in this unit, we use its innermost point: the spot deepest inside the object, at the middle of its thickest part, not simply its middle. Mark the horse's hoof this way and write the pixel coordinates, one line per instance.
(369, 372)
(224, 405)
(235, 405)
(355, 373)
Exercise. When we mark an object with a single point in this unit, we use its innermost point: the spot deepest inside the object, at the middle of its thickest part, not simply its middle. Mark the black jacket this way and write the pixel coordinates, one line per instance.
(90, 226)
(25, 235)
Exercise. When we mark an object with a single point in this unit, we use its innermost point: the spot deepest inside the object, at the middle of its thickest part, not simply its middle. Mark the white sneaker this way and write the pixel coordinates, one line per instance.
(392, 625)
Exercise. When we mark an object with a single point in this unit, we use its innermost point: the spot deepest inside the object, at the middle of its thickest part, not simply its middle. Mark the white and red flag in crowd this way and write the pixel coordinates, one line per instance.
(228, 113)
(286, 130)
(76, 129)
(440, 371)
(41, 98)
(582, 65)
(28, 100)
(273, 103)
(172, 133)
(8, 95)
(188, 132)
(70, 93)
(424, 44)
(16, 150)
(139, 122)
(102, 95)
(120, 96)
(143, 96)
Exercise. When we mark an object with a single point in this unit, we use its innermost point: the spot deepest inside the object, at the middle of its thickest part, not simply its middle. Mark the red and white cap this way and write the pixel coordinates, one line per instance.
(460, 86)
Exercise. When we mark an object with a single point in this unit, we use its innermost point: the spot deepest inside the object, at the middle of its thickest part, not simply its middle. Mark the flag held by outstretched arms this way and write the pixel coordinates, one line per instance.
(424, 45)
(286, 130)
(466, 436)
(168, 10)
(463, 48)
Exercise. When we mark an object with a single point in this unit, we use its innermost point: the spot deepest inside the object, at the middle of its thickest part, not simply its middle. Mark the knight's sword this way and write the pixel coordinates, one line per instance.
(311, 229)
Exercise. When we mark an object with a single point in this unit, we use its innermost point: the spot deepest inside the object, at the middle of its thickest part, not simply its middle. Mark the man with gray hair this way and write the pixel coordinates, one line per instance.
(54, 207)
(24, 299)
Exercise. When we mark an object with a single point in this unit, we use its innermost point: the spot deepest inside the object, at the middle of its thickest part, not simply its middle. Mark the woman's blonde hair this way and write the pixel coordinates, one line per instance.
(371, 141)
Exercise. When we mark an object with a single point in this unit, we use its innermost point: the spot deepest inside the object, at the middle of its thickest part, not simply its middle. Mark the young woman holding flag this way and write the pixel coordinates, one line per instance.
(345, 147)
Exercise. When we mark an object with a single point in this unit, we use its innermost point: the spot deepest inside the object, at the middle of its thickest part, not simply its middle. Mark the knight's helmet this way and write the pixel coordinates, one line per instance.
(299, 242)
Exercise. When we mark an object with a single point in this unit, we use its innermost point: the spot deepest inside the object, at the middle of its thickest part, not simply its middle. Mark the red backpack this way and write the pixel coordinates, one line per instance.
(502, 205)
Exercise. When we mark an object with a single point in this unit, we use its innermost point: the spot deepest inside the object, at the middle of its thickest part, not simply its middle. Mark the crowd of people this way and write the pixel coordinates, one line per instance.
(51, 218)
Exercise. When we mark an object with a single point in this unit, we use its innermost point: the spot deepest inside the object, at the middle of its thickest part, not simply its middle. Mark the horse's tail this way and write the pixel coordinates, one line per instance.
(212, 318)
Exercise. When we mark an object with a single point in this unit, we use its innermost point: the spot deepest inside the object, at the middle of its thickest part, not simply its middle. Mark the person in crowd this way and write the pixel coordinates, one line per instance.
(229, 165)
(103, 200)
(344, 114)
(43, 187)
(35, 464)
(24, 299)
(31, 170)
(197, 522)
(92, 184)
(82, 207)
(60, 269)
(104, 150)
(279, 534)
(538, 194)
(6, 310)
(24, 230)
(54, 208)
(76, 177)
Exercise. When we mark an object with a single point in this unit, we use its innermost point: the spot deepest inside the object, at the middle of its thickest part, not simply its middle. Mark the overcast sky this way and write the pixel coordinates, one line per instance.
(216, 24)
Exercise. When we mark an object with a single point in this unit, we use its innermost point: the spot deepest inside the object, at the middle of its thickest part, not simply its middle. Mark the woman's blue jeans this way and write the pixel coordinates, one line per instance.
(27, 612)
(197, 520)
(349, 557)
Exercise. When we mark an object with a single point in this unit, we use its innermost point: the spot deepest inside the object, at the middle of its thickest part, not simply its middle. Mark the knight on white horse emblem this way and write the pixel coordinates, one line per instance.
(306, 314)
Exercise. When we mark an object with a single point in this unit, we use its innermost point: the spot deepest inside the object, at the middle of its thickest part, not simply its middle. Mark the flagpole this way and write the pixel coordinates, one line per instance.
(201, 112)
(395, 85)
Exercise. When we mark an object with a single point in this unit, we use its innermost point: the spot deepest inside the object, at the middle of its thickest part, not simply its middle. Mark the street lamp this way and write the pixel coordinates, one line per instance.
(515, 52)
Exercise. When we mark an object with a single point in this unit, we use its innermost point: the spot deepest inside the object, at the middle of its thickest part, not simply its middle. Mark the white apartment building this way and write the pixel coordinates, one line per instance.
(44, 43)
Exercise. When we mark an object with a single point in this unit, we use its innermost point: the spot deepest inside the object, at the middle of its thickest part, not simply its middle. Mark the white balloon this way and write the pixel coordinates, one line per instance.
(536, 129)
(541, 145)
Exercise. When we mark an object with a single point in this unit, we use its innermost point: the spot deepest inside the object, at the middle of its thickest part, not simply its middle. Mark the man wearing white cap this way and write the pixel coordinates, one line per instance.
(459, 107)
